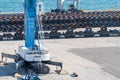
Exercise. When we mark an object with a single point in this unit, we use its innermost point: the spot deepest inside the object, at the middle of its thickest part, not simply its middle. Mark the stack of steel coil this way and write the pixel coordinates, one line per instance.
(62, 20)
(9, 22)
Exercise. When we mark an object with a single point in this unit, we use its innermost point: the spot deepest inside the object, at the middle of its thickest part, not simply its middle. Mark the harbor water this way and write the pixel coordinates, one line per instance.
(17, 5)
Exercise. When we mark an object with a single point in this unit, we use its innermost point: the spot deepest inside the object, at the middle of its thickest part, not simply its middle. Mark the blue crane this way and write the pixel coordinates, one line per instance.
(31, 53)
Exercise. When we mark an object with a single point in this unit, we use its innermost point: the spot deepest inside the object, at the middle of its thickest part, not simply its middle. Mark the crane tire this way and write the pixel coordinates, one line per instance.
(45, 70)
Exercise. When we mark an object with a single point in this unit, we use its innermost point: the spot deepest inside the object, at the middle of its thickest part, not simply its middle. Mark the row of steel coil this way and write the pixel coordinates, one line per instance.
(63, 20)
(10, 22)
(69, 33)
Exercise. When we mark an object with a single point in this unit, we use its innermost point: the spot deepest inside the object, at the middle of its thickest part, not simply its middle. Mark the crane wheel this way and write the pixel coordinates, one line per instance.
(17, 58)
(45, 70)
(40, 68)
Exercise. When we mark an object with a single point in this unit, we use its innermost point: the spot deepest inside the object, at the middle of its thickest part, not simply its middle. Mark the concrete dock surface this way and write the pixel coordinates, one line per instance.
(90, 58)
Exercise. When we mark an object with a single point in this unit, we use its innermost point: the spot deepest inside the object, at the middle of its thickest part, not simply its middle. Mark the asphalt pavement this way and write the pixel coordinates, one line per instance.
(107, 57)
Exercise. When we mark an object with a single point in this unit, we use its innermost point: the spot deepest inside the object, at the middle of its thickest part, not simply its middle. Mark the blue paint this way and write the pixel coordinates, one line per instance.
(30, 23)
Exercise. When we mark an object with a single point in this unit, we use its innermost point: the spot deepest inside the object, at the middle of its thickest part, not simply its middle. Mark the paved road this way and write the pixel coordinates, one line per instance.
(90, 58)
(107, 57)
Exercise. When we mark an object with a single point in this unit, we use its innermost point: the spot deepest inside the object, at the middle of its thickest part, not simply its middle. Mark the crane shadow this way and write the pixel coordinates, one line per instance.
(9, 69)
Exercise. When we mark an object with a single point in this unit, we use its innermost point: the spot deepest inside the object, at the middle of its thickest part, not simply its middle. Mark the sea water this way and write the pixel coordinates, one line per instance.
(17, 5)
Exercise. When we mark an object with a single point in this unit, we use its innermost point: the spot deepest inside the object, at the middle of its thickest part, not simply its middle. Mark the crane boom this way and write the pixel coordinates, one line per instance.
(30, 23)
